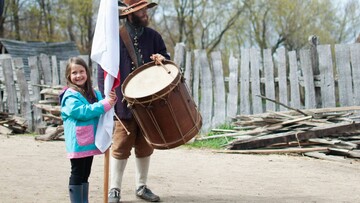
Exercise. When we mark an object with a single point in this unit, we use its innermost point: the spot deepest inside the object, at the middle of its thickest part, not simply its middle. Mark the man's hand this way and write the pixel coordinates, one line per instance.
(158, 58)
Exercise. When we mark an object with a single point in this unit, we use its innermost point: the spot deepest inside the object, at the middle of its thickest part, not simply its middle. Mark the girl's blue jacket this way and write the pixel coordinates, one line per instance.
(80, 120)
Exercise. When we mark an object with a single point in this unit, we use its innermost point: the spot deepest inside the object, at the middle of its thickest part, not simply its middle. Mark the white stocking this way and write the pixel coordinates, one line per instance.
(116, 172)
(142, 169)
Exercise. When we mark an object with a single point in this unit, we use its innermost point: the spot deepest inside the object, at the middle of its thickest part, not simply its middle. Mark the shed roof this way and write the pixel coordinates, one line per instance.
(25, 49)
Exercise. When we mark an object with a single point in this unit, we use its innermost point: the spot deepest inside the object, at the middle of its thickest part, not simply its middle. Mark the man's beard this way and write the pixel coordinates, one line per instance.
(137, 21)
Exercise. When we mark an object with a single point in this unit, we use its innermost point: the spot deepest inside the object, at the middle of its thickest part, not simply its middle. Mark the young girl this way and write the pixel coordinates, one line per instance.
(81, 107)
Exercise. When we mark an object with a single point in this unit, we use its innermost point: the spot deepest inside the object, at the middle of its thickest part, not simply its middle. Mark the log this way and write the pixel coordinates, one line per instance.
(274, 151)
(311, 111)
(323, 156)
(19, 120)
(344, 152)
(52, 109)
(57, 118)
(49, 101)
(316, 132)
(5, 131)
(284, 105)
(279, 125)
(51, 133)
(257, 130)
(250, 132)
(224, 130)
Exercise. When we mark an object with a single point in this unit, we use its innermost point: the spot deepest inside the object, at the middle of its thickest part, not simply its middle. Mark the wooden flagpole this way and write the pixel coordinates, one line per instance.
(107, 164)
(106, 175)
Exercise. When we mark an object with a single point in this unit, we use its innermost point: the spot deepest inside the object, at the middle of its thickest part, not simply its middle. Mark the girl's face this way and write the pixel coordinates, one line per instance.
(78, 75)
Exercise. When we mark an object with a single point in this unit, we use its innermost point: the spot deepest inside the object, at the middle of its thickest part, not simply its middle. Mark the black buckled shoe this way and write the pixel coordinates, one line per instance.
(114, 195)
(145, 193)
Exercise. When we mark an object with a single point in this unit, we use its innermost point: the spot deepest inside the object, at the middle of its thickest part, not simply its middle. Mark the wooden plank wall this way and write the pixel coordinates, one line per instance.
(287, 76)
(290, 77)
(19, 95)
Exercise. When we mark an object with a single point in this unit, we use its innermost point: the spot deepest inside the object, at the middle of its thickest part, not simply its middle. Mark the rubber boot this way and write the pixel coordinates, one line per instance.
(76, 193)
(85, 192)
(142, 169)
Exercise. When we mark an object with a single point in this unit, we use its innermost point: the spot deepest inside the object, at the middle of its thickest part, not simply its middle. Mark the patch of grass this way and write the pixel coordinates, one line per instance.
(27, 134)
(215, 143)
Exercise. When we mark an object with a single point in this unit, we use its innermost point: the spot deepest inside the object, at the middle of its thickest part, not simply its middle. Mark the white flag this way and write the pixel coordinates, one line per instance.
(105, 51)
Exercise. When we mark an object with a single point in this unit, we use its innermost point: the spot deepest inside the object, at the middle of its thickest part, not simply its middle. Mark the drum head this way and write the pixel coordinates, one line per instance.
(150, 80)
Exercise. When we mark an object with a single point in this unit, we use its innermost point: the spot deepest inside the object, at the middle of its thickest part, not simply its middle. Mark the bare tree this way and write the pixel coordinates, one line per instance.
(47, 18)
(3, 9)
(349, 21)
(14, 6)
(201, 24)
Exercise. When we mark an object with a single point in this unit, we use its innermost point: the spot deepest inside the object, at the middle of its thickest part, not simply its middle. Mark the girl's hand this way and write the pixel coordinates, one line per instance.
(112, 98)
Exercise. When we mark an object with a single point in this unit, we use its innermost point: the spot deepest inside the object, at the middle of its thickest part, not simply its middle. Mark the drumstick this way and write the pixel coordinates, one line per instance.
(127, 132)
(168, 71)
(158, 58)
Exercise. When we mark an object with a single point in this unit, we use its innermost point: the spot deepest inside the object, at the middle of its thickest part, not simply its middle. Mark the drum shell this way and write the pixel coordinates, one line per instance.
(168, 118)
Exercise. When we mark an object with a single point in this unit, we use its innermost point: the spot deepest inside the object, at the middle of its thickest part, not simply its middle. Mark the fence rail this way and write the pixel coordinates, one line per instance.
(310, 78)
(320, 77)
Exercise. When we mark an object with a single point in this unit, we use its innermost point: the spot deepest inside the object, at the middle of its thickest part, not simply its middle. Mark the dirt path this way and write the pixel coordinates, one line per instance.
(33, 171)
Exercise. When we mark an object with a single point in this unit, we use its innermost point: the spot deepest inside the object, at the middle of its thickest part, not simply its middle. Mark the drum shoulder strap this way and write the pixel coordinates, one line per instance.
(124, 34)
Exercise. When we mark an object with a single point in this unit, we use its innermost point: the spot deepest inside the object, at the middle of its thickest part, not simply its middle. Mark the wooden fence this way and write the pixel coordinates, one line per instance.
(21, 86)
(319, 77)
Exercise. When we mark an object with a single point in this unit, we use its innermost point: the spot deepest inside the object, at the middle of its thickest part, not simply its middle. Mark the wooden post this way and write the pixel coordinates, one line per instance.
(255, 69)
(327, 81)
(308, 75)
(355, 67)
(46, 69)
(55, 72)
(314, 41)
(295, 99)
(269, 79)
(62, 73)
(245, 105)
(106, 175)
(206, 86)
(282, 75)
(10, 86)
(233, 96)
(219, 107)
(343, 67)
(25, 103)
(35, 97)
(179, 56)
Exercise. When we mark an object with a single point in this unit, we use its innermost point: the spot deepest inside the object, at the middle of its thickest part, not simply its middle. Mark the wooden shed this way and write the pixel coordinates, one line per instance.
(25, 49)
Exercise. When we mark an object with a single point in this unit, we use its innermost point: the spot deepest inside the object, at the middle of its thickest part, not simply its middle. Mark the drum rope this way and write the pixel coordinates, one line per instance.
(153, 119)
(187, 105)
(149, 102)
(171, 109)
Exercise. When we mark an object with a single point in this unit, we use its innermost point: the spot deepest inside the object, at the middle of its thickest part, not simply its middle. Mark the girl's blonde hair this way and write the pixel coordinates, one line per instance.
(87, 90)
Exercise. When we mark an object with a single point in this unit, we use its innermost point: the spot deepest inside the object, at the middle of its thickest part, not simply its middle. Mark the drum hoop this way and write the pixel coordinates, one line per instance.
(160, 94)
(186, 138)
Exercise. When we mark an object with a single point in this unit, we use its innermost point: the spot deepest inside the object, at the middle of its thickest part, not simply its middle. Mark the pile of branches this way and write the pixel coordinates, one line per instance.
(52, 127)
(328, 133)
(11, 124)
